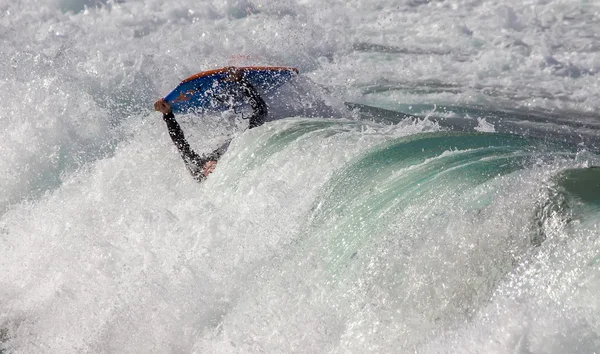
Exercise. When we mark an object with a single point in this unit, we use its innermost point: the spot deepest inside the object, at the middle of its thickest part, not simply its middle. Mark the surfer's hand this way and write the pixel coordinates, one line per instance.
(208, 167)
(162, 106)
(233, 74)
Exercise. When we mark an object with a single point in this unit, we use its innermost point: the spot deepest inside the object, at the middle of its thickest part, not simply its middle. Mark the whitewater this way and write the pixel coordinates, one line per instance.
(426, 185)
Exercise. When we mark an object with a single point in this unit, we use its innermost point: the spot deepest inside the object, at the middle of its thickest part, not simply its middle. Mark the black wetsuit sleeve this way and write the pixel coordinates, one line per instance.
(192, 160)
(256, 102)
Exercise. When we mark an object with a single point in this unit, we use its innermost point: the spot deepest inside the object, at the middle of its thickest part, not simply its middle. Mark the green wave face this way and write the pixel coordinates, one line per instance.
(411, 171)
(431, 225)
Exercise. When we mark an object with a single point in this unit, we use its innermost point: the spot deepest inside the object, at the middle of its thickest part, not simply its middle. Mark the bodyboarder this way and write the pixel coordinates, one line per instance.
(201, 166)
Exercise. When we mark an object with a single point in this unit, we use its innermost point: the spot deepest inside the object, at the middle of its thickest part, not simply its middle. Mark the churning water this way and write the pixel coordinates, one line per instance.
(426, 185)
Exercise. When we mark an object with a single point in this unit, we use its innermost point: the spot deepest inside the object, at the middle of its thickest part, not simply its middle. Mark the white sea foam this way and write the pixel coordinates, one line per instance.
(107, 244)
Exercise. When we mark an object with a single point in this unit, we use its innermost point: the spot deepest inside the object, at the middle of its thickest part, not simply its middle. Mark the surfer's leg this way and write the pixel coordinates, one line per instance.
(192, 160)
(198, 166)
(256, 102)
(258, 118)
(215, 155)
(212, 158)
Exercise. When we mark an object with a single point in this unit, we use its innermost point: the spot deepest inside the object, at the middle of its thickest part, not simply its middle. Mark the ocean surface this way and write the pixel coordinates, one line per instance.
(426, 184)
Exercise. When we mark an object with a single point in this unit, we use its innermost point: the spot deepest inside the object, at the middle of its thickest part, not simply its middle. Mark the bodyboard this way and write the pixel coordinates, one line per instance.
(207, 91)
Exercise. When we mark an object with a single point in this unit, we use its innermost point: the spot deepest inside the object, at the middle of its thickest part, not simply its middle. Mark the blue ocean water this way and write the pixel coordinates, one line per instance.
(428, 184)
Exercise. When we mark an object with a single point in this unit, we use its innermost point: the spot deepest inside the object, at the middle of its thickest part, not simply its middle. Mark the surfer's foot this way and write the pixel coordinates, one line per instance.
(208, 167)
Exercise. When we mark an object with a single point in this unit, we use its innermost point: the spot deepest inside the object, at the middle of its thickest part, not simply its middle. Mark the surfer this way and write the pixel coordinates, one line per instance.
(201, 166)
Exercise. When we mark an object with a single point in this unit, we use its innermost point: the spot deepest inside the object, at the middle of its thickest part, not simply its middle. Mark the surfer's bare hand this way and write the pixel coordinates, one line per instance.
(233, 74)
(162, 106)
(208, 167)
